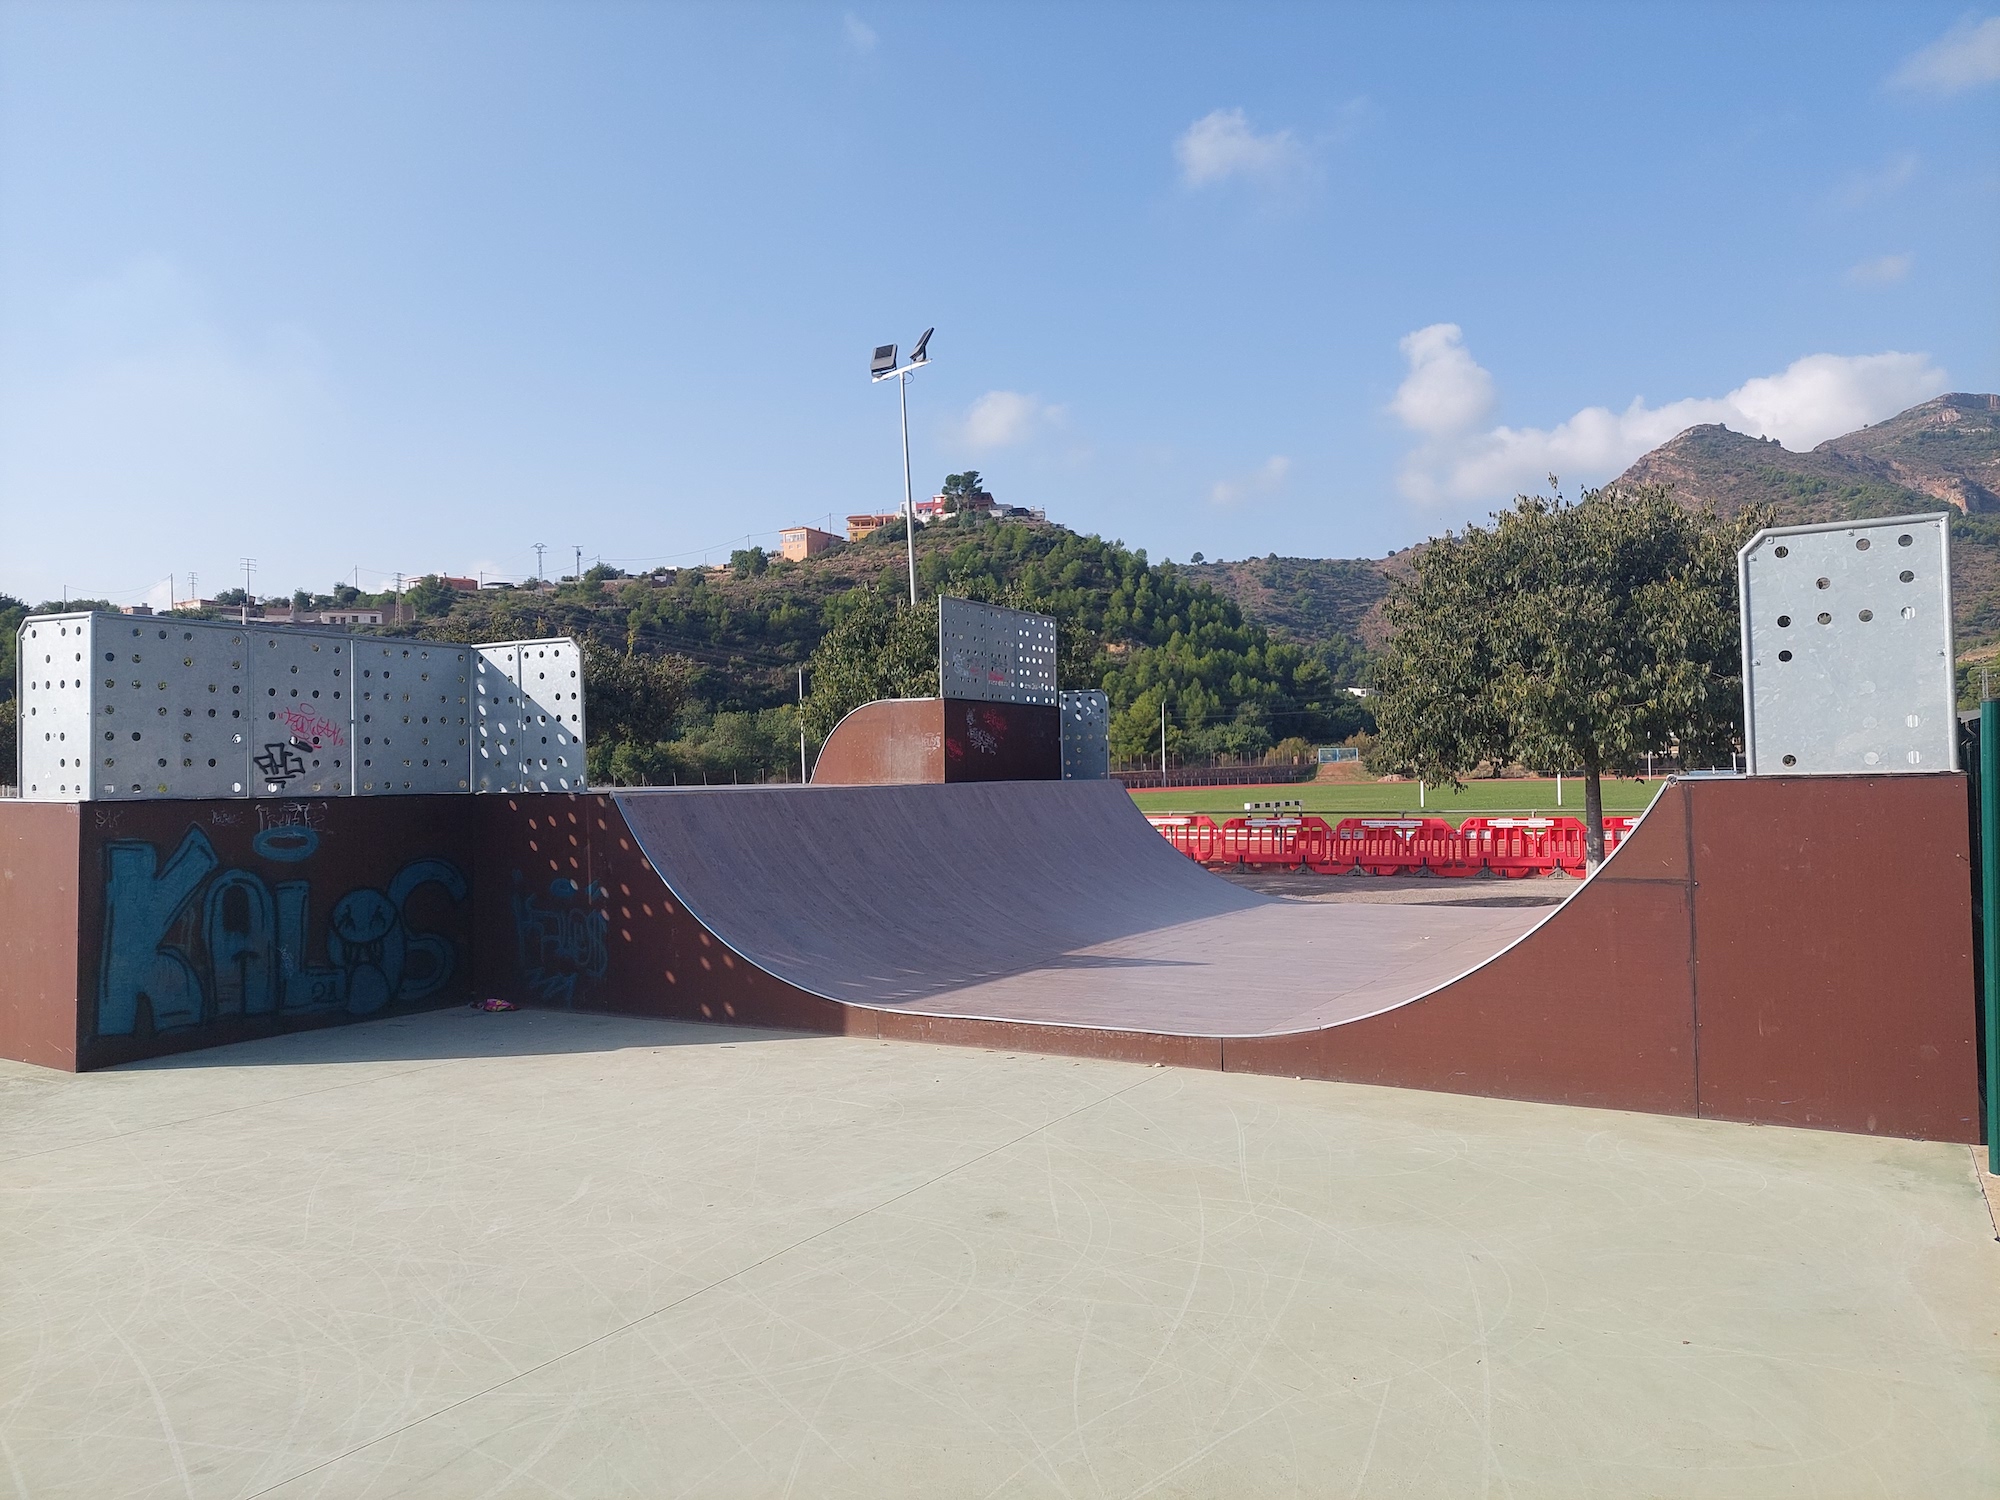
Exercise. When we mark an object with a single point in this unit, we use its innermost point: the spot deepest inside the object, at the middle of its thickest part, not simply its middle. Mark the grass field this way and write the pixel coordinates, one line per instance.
(1344, 799)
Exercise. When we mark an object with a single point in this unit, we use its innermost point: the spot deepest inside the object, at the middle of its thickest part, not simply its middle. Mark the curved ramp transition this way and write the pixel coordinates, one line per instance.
(1734, 959)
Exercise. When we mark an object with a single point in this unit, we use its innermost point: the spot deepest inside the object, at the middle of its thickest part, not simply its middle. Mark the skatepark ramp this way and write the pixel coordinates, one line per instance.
(1733, 959)
(1698, 972)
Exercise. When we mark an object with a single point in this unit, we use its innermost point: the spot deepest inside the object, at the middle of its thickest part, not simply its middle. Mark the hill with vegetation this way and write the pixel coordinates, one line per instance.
(1320, 601)
(1942, 456)
(694, 674)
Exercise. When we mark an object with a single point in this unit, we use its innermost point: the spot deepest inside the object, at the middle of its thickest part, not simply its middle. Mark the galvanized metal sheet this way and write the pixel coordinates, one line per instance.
(995, 655)
(496, 718)
(550, 740)
(301, 691)
(1847, 648)
(1086, 736)
(124, 707)
(56, 661)
(412, 711)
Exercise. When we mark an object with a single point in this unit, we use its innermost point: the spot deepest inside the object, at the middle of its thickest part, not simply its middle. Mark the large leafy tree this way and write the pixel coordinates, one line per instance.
(1567, 636)
(878, 648)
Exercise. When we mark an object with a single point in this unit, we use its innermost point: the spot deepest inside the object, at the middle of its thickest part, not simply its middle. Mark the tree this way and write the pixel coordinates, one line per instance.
(430, 595)
(877, 649)
(630, 700)
(960, 490)
(1567, 636)
(749, 562)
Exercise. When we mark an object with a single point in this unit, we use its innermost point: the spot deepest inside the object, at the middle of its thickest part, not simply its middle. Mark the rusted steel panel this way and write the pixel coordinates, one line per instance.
(39, 853)
(1002, 741)
(1836, 962)
(890, 742)
(207, 922)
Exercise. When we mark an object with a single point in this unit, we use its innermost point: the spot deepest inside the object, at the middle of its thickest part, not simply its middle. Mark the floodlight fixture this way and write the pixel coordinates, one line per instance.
(884, 367)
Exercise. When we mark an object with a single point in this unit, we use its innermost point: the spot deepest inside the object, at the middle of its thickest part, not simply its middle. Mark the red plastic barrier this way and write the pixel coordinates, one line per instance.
(1396, 846)
(1513, 847)
(1194, 834)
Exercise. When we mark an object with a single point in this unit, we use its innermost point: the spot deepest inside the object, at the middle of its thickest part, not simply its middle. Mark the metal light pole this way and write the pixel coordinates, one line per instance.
(249, 567)
(884, 367)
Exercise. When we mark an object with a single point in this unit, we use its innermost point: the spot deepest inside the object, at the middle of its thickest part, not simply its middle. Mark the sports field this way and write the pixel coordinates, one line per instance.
(1343, 799)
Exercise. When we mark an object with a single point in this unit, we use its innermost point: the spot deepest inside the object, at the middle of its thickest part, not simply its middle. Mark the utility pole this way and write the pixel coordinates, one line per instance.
(194, 589)
(540, 548)
(399, 598)
(249, 567)
(1163, 739)
(579, 565)
(802, 725)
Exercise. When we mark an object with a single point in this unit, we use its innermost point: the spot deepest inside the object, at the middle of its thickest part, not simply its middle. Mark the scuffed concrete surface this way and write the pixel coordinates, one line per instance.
(554, 1255)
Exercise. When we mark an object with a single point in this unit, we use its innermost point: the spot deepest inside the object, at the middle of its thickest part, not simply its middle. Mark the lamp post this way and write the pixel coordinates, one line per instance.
(883, 367)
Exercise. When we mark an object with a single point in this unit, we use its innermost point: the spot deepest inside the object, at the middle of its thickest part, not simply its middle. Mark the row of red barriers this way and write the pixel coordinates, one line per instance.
(1510, 847)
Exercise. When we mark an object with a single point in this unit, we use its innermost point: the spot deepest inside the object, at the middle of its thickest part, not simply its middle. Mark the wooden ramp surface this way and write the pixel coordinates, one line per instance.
(1049, 902)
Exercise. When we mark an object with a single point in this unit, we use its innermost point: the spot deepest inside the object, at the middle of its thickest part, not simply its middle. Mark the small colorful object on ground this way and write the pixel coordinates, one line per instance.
(494, 1005)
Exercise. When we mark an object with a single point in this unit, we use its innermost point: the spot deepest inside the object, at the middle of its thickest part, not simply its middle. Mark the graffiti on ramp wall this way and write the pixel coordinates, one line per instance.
(558, 938)
(191, 941)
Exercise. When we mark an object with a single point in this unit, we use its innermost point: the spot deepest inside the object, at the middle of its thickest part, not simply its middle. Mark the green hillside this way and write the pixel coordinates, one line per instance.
(1942, 456)
(695, 673)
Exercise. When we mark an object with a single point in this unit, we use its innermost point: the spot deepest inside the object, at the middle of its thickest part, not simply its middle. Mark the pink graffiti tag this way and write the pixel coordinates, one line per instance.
(311, 727)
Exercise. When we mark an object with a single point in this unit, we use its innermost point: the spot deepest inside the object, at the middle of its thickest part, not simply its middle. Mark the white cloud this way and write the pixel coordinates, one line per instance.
(1860, 188)
(1446, 390)
(1266, 477)
(1221, 145)
(1883, 270)
(1811, 400)
(1965, 57)
(1000, 419)
(860, 35)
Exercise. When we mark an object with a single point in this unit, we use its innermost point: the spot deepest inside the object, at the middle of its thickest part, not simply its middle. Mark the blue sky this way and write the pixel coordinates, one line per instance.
(412, 287)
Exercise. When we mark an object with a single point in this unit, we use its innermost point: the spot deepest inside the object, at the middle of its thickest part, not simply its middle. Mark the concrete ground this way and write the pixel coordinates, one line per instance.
(551, 1255)
(1402, 890)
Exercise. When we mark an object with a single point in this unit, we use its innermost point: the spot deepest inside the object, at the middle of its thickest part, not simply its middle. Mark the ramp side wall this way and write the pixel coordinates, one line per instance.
(575, 917)
(141, 929)
(1836, 963)
(890, 742)
(1595, 1007)
(39, 875)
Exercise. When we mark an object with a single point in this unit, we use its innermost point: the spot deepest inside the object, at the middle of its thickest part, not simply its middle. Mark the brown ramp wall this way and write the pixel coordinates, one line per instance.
(1740, 958)
(39, 863)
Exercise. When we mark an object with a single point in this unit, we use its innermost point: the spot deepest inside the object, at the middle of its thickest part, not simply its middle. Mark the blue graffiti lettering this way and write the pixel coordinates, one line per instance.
(238, 925)
(253, 940)
(558, 947)
(141, 903)
(286, 845)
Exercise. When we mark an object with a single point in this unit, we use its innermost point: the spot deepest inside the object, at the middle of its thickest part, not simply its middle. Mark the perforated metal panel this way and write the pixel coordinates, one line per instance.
(412, 713)
(1847, 648)
(995, 655)
(1086, 736)
(56, 659)
(549, 741)
(121, 707)
(496, 718)
(301, 693)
